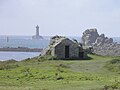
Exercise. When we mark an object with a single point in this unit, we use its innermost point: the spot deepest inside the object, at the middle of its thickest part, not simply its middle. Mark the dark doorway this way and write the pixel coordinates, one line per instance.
(66, 51)
(81, 55)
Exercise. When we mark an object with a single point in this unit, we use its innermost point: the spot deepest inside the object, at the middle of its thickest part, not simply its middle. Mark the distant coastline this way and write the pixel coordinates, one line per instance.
(21, 49)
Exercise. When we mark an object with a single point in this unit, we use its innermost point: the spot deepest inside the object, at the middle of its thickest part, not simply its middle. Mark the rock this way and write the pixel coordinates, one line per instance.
(99, 41)
(109, 41)
(55, 39)
(101, 44)
(102, 36)
(89, 36)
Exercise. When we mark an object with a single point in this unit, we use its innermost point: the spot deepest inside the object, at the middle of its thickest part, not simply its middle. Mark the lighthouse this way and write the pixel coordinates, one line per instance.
(37, 30)
(37, 36)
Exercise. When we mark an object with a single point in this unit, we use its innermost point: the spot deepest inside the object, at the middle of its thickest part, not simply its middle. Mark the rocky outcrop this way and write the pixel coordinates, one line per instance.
(107, 50)
(101, 45)
(89, 36)
(101, 40)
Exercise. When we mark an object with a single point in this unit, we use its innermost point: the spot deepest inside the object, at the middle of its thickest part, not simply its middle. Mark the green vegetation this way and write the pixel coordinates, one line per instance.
(113, 65)
(45, 73)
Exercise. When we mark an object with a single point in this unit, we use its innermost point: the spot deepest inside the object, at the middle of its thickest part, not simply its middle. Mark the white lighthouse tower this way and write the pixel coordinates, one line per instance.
(37, 36)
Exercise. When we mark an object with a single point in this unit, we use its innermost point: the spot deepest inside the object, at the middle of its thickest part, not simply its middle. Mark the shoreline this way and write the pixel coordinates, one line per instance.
(20, 49)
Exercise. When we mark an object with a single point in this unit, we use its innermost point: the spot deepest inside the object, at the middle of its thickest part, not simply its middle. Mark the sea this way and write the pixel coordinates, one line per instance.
(27, 41)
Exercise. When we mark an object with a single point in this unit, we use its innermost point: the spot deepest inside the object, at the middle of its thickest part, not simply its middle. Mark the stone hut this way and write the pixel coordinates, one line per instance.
(64, 48)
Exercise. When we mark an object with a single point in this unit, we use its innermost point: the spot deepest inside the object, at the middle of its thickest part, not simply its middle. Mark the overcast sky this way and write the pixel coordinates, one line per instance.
(59, 17)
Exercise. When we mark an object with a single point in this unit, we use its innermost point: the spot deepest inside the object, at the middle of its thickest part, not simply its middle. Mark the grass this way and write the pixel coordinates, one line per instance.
(48, 74)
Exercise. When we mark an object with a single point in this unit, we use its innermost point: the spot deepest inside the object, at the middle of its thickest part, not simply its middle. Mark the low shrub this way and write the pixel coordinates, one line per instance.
(47, 57)
(63, 66)
(113, 65)
(113, 86)
(10, 64)
(115, 61)
(59, 78)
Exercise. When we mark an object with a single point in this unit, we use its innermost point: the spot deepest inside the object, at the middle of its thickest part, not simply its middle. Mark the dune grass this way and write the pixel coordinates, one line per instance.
(43, 74)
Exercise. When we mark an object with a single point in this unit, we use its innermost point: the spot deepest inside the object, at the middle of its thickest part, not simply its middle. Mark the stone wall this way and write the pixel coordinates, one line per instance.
(73, 49)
